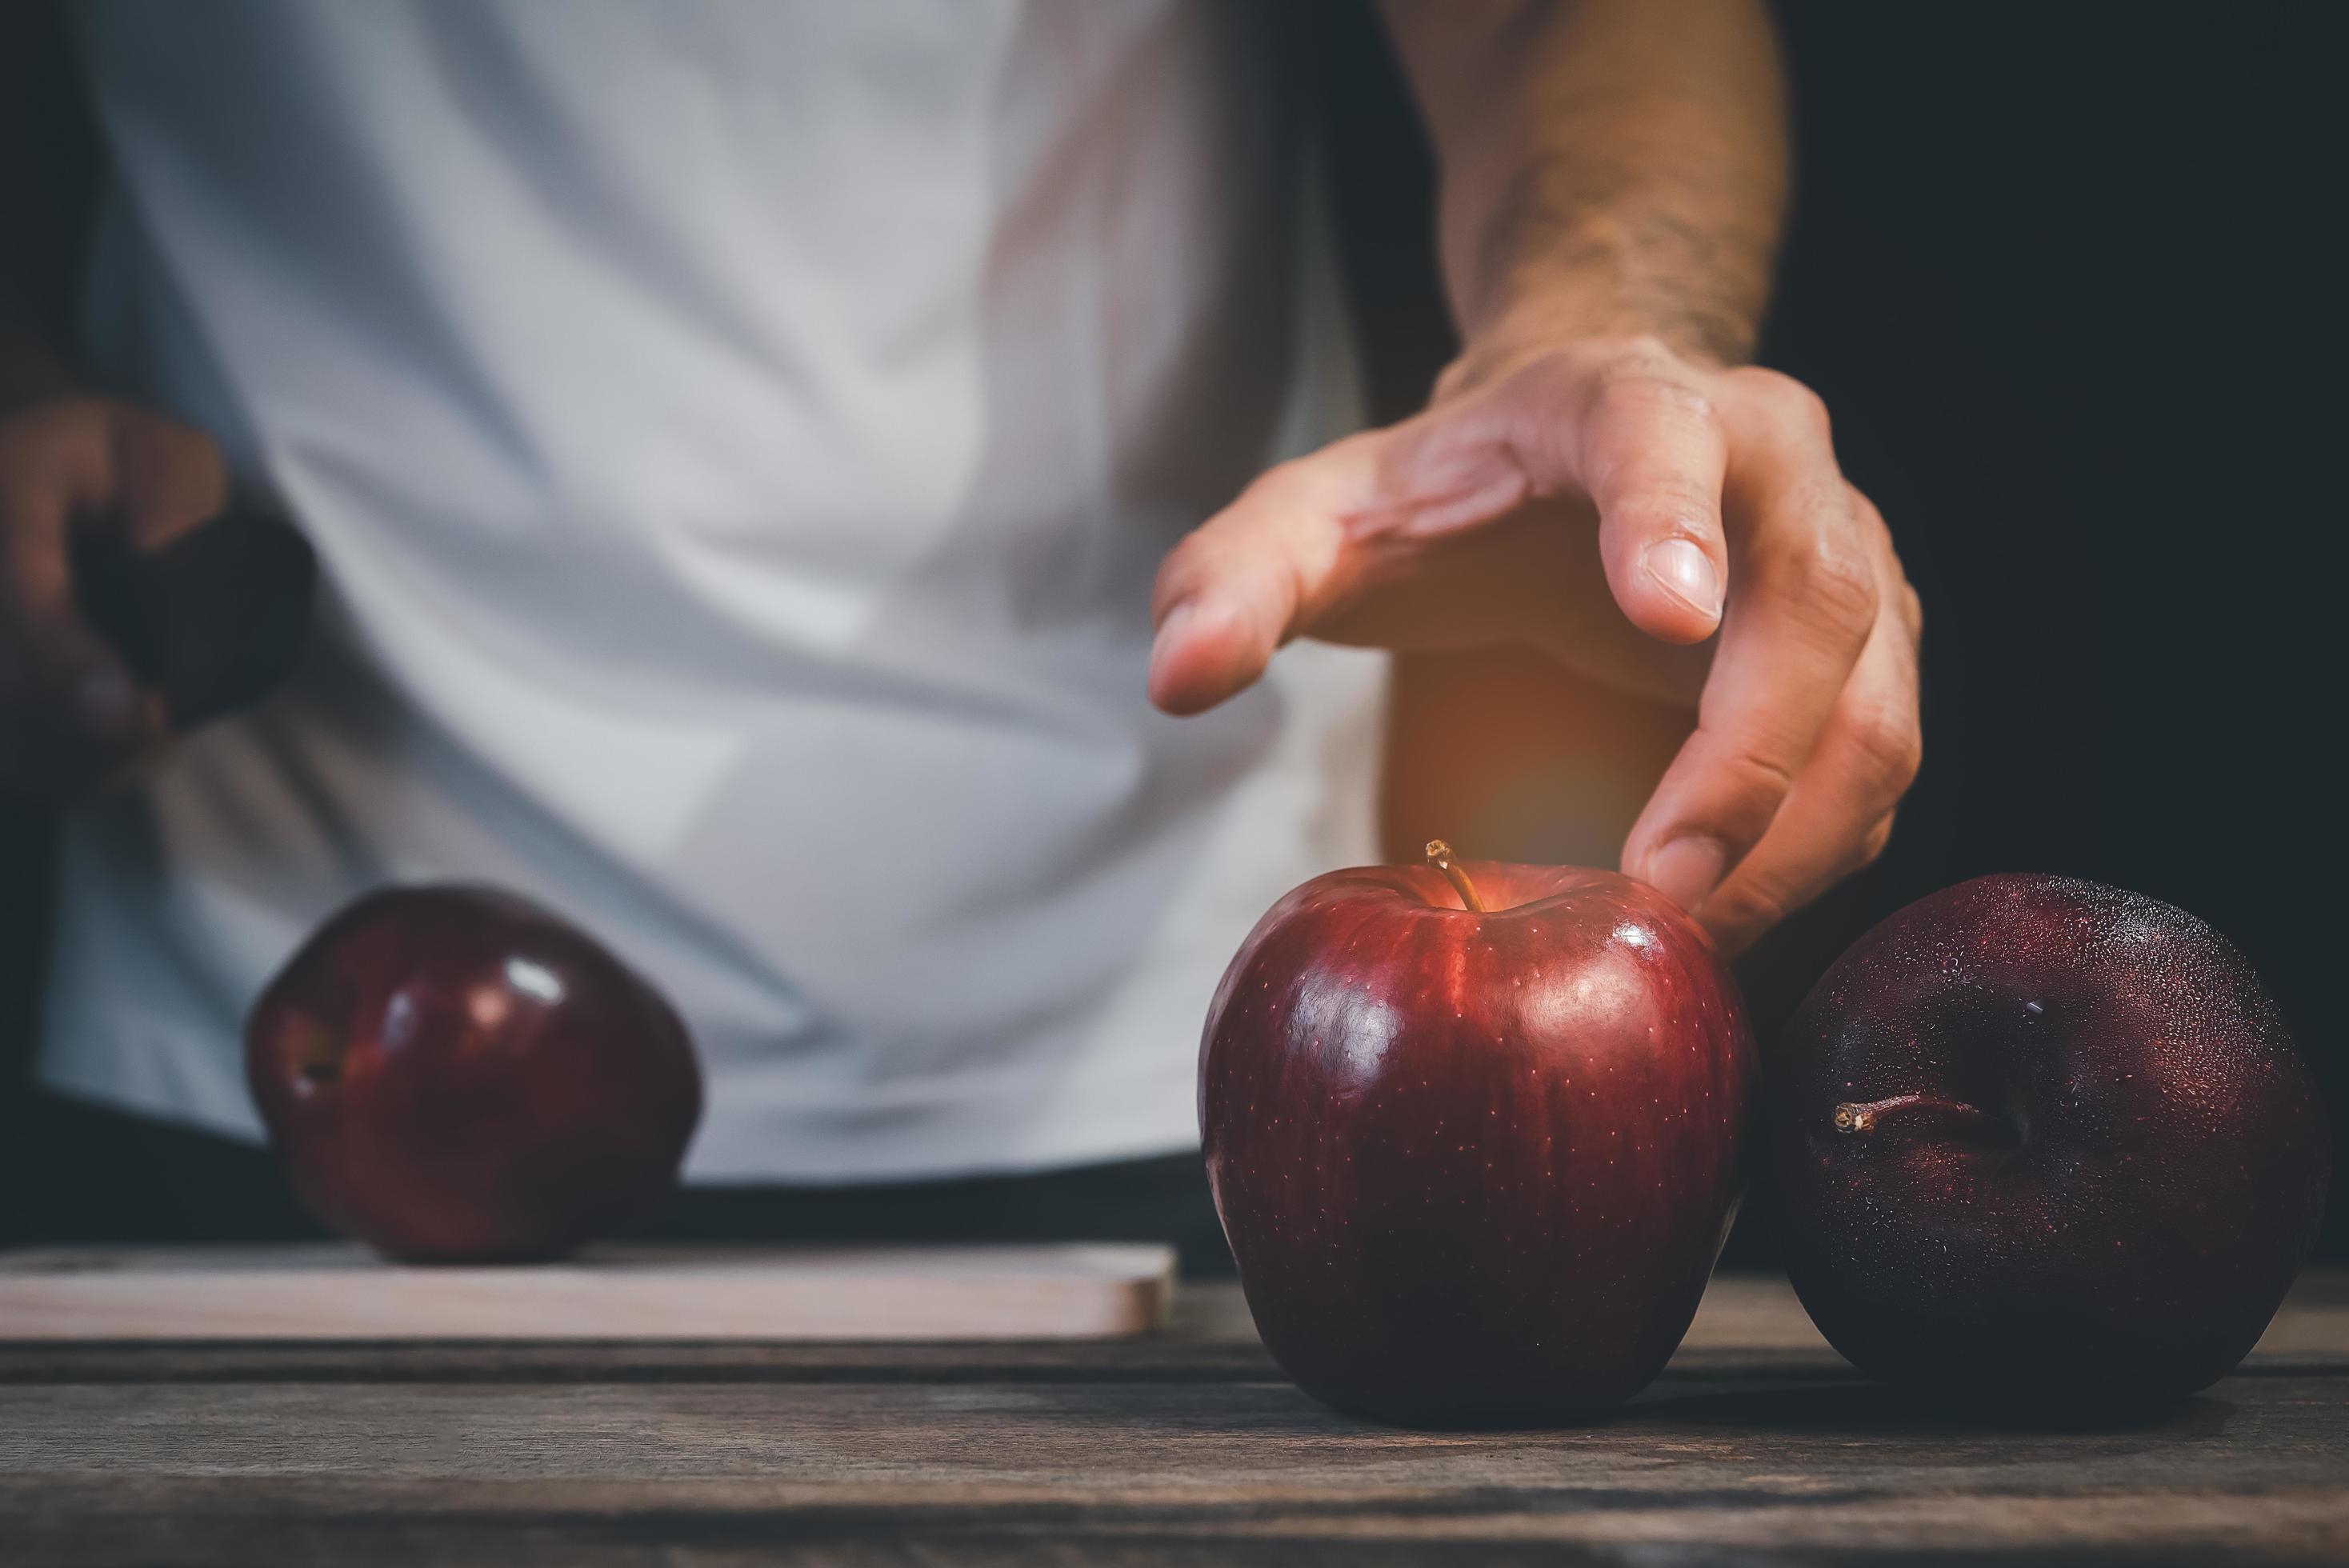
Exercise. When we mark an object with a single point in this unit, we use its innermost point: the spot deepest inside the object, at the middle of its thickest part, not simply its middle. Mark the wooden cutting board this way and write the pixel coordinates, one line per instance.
(334, 1291)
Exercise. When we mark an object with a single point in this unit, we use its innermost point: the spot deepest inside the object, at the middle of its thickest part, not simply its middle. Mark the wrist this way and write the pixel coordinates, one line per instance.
(1537, 325)
(1587, 283)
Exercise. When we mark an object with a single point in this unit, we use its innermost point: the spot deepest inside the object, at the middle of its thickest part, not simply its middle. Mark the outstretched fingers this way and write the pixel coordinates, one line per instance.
(1806, 610)
(1837, 816)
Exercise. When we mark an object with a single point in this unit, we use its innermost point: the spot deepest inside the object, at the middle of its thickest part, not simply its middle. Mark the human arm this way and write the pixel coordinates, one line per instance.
(72, 713)
(1597, 474)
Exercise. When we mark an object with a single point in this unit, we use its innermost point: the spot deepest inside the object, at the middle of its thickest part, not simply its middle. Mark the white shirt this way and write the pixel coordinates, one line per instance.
(739, 439)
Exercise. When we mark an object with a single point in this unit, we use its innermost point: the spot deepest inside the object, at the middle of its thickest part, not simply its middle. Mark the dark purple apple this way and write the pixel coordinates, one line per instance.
(453, 1074)
(2041, 1145)
(1474, 1134)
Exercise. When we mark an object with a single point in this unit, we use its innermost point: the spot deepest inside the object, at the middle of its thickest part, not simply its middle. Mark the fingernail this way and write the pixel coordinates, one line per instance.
(1686, 870)
(106, 703)
(1686, 572)
(1170, 630)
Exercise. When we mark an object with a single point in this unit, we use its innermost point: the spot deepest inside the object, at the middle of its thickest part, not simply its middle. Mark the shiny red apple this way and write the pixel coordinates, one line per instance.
(452, 1073)
(1474, 1132)
(2043, 1146)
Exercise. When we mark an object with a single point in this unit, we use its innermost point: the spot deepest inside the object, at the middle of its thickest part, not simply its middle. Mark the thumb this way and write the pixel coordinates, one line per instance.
(1253, 576)
(1305, 538)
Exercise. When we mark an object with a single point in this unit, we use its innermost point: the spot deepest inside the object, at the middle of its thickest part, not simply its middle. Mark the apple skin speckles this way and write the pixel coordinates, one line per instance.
(1475, 1167)
(2041, 1146)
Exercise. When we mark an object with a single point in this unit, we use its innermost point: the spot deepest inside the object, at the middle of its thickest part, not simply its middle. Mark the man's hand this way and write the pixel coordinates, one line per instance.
(72, 714)
(1630, 512)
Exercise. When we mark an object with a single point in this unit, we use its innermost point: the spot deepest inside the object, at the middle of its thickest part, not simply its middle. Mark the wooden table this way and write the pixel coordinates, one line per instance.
(1186, 1447)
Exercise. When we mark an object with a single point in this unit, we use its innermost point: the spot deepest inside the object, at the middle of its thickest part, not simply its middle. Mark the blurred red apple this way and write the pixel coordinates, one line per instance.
(2042, 1145)
(452, 1073)
(1474, 1133)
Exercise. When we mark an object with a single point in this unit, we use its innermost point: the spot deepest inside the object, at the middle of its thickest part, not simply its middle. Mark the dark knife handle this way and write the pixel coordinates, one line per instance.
(214, 621)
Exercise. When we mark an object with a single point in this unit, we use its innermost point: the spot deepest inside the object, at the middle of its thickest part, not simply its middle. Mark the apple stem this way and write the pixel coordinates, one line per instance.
(322, 1055)
(1439, 855)
(1861, 1117)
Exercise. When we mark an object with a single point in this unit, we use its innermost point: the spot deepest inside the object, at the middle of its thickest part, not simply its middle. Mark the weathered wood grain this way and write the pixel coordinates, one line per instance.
(1750, 1324)
(1183, 1447)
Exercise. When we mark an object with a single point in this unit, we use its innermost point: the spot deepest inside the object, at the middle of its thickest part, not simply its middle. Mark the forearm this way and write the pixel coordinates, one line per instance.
(1609, 167)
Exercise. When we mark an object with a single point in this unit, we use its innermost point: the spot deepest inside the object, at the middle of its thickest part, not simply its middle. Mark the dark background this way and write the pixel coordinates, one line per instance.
(2066, 276)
